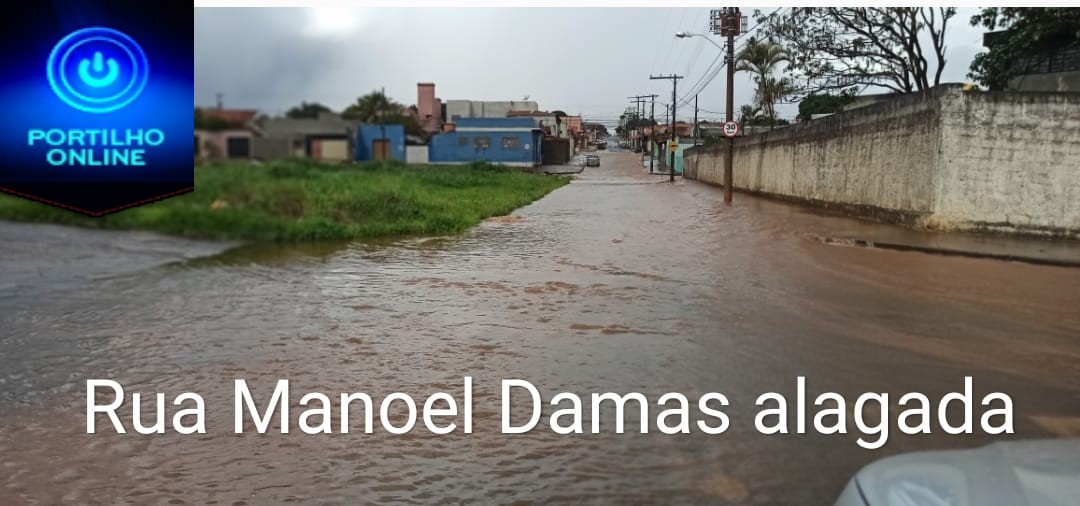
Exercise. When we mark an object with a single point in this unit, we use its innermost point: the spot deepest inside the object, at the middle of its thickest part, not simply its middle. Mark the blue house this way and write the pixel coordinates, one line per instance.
(508, 141)
(379, 142)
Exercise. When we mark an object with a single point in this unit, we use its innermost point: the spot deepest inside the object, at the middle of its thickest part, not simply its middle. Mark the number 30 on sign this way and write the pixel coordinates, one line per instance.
(731, 129)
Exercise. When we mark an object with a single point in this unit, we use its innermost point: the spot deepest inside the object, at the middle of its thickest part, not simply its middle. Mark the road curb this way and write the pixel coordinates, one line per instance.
(932, 250)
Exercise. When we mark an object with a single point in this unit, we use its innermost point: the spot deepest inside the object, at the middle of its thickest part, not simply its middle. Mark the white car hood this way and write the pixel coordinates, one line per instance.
(1022, 473)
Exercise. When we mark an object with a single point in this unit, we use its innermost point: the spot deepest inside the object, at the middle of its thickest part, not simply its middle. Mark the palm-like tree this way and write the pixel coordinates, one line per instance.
(748, 113)
(371, 108)
(761, 58)
(773, 90)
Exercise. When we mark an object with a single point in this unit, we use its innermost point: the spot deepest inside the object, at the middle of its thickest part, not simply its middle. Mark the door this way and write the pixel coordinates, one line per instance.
(380, 149)
(238, 147)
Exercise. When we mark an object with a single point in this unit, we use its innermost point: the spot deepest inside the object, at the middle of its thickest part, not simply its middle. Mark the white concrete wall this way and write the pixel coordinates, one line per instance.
(1011, 162)
(943, 159)
(416, 154)
(486, 109)
(879, 157)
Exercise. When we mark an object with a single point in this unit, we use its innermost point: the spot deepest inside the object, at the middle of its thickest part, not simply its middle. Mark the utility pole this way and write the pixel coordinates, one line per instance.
(652, 129)
(639, 103)
(729, 22)
(674, 98)
(640, 99)
(695, 121)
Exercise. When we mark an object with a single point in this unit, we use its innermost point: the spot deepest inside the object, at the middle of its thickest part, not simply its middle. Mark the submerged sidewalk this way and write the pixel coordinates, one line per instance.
(870, 234)
(1030, 250)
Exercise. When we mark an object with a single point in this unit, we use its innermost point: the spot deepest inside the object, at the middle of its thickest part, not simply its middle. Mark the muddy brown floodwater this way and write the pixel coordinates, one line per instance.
(618, 282)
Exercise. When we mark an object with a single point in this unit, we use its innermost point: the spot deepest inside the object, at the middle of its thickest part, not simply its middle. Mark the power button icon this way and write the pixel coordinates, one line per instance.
(98, 82)
(97, 69)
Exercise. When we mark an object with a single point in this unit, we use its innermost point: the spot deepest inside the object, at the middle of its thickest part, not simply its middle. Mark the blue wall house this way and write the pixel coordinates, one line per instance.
(379, 142)
(507, 141)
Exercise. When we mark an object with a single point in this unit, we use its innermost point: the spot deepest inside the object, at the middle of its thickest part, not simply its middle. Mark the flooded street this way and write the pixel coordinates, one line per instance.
(619, 282)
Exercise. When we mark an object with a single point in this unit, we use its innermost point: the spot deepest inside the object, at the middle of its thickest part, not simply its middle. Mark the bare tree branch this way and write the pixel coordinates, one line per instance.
(844, 47)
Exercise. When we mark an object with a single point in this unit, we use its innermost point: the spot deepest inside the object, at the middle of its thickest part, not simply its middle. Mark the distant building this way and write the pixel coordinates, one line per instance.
(327, 137)
(546, 121)
(428, 108)
(711, 129)
(226, 133)
(464, 109)
(1054, 65)
(379, 142)
(509, 141)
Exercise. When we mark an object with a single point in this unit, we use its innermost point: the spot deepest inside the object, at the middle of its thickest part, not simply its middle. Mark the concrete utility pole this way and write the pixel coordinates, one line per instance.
(674, 98)
(728, 22)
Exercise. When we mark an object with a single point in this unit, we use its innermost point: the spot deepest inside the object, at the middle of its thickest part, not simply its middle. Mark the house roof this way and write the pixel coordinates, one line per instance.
(237, 117)
(514, 114)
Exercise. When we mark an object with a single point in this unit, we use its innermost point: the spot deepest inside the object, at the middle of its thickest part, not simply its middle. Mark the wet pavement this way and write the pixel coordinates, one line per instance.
(619, 282)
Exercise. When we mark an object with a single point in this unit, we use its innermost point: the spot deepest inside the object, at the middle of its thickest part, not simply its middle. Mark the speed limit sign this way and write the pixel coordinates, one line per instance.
(731, 129)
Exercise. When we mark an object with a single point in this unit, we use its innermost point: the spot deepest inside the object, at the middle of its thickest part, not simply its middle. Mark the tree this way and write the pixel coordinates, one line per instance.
(307, 110)
(752, 115)
(840, 48)
(1030, 32)
(210, 122)
(597, 127)
(760, 58)
(369, 108)
(823, 104)
(749, 114)
(377, 108)
(634, 122)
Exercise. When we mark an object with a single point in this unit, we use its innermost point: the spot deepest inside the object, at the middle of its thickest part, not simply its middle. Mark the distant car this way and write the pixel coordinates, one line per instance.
(592, 160)
(1013, 473)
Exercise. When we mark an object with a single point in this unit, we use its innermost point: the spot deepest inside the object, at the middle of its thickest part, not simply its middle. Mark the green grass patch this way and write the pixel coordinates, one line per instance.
(299, 200)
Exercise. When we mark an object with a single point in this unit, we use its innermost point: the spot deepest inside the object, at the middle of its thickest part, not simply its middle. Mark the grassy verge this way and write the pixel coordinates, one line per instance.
(302, 200)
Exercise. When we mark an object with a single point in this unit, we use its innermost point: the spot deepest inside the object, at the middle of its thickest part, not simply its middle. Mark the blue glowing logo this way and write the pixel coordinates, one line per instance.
(97, 69)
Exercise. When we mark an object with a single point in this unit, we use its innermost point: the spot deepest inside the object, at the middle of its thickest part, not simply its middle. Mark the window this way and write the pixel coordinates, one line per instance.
(511, 143)
(481, 142)
(462, 140)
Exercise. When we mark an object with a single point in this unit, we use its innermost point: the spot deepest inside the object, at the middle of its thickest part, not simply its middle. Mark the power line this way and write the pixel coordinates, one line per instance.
(698, 89)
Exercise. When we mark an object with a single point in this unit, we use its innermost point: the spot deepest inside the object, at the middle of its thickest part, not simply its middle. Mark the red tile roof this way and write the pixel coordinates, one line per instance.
(235, 117)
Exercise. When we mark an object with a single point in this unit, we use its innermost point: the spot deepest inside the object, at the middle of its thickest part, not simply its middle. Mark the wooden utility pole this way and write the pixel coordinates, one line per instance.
(728, 22)
(639, 106)
(652, 129)
(695, 121)
(641, 130)
(674, 101)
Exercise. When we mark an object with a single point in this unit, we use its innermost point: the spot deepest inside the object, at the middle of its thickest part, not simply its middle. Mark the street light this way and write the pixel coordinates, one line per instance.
(732, 19)
(687, 35)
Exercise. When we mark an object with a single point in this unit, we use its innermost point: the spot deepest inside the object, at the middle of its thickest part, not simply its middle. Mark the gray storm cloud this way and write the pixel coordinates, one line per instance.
(578, 60)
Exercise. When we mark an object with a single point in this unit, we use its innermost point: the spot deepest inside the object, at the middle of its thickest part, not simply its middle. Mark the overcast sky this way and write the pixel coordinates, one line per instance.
(581, 60)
